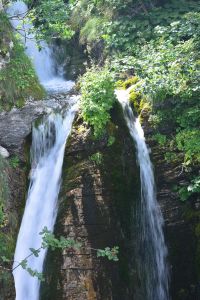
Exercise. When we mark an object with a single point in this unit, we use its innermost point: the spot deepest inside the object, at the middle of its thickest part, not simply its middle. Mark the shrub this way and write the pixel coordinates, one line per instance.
(97, 89)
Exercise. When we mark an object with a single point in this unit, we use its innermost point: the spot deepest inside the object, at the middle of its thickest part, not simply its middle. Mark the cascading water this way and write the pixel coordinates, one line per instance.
(42, 60)
(151, 249)
(47, 153)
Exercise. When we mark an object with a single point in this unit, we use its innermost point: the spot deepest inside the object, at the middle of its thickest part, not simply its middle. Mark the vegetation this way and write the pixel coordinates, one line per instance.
(50, 241)
(152, 46)
(6, 218)
(18, 80)
(149, 47)
(3, 192)
(97, 90)
(157, 54)
(14, 161)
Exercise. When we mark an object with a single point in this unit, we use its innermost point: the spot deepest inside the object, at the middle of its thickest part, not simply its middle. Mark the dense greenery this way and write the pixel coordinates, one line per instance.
(97, 89)
(18, 80)
(161, 47)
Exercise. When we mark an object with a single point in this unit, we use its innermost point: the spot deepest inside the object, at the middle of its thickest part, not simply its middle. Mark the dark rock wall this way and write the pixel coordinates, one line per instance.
(181, 220)
(17, 182)
(95, 208)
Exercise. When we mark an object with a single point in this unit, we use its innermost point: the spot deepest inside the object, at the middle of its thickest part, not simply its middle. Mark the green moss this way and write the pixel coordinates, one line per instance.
(130, 81)
(135, 99)
(127, 83)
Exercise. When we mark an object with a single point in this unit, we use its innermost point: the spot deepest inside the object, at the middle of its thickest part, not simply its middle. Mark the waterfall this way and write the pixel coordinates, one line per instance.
(48, 145)
(151, 250)
(42, 59)
(47, 152)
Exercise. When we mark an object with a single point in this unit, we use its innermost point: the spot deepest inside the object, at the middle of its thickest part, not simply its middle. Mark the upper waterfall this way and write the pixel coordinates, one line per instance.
(42, 59)
(151, 250)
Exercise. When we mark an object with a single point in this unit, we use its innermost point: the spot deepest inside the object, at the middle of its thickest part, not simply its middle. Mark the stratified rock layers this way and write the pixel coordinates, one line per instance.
(95, 208)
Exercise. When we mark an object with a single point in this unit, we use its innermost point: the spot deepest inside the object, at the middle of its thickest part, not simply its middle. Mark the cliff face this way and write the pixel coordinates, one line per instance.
(181, 223)
(15, 129)
(13, 183)
(95, 208)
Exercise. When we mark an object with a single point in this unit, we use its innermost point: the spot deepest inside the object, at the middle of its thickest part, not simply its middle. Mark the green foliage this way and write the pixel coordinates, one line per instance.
(127, 83)
(97, 158)
(5, 35)
(111, 140)
(33, 273)
(50, 241)
(170, 156)
(186, 191)
(188, 141)
(110, 253)
(168, 66)
(160, 139)
(91, 32)
(123, 33)
(18, 80)
(4, 192)
(97, 89)
(14, 161)
(51, 19)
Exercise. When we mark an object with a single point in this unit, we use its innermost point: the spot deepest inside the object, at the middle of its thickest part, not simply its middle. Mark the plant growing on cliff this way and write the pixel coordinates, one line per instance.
(193, 188)
(50, 241)
(17, 77)
(97, 90)
(97, 158)
(14, 161)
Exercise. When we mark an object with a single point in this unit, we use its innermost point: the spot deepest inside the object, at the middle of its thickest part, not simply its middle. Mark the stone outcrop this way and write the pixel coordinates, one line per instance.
(16, 124)
(95, 208)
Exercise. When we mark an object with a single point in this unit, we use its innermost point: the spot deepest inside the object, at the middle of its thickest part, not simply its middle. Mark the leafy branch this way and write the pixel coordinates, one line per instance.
(50, 241)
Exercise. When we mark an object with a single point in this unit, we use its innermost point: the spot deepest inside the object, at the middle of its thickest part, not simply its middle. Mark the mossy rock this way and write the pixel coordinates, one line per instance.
(127, 83)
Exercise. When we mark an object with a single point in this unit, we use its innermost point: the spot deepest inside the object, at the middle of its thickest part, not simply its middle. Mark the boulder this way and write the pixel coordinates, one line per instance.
(3, 152)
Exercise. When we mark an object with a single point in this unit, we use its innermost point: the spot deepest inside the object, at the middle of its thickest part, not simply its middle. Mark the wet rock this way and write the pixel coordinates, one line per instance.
(16, 124)
(180, 219)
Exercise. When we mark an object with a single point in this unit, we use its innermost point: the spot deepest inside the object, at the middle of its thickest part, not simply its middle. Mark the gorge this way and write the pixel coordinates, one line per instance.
(81, 150)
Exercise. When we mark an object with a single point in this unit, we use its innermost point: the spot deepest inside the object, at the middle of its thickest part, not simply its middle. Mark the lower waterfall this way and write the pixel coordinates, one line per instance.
(48, 145)
(151, 250)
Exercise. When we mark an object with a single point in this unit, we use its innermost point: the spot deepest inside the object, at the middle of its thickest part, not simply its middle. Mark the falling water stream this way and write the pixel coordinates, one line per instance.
(48, 145)
(47, 152)
(151, 249)
(42, 59)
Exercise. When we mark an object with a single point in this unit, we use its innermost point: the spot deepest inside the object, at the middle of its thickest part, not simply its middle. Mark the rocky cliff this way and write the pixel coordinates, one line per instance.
(95, 207)
(15, 141)
(181, 221)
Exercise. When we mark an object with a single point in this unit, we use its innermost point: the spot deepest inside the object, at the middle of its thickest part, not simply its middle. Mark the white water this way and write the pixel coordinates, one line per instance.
(47, 153)
(152, 252)
(42, 60)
